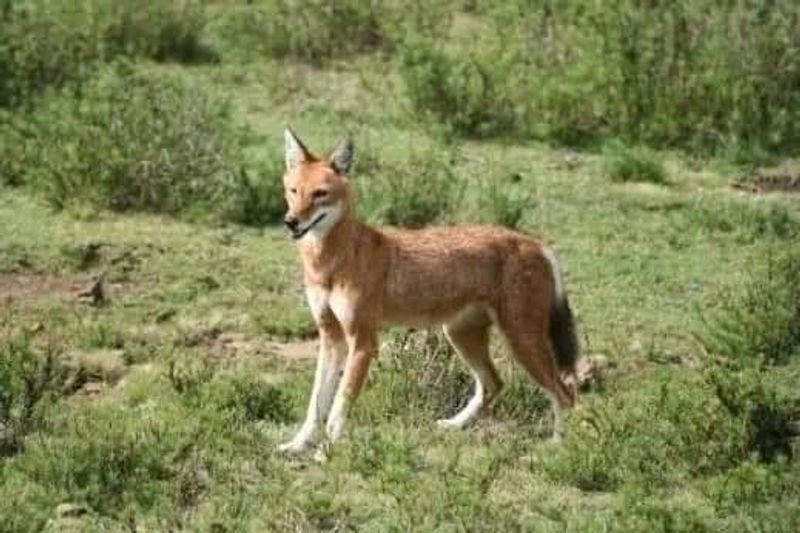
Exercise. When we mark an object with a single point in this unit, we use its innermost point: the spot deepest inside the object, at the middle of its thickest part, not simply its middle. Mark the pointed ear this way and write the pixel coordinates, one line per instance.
(342, 157)
(296, 152)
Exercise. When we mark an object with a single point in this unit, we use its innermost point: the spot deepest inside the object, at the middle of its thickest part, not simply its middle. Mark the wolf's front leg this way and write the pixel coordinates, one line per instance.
(329, 365)
(362, 348)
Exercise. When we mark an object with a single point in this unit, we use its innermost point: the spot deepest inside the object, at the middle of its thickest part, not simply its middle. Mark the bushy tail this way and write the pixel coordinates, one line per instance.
(564, 335)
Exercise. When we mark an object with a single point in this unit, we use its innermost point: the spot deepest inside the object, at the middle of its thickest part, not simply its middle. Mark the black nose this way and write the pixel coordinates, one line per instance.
(291, 222)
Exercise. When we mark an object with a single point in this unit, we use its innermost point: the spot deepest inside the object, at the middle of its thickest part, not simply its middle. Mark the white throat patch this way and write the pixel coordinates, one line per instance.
(320, 229)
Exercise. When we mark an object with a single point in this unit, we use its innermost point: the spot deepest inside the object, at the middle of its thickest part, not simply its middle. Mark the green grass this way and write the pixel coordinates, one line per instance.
(195, 422)
(161, 408)
(626, 164)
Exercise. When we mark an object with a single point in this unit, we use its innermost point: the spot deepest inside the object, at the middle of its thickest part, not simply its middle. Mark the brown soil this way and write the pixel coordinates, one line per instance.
(27, 287)
(295, 350)
(785, 179)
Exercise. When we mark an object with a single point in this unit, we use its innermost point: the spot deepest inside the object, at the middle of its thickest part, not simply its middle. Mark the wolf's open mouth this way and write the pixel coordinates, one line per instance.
(302, 231)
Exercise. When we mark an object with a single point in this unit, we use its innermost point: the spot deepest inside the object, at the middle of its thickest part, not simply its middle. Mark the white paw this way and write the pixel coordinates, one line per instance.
(294, 446)
(450, 423)
(322, 453)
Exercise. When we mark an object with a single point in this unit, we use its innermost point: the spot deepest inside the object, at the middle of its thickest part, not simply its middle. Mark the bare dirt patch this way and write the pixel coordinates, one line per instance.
(294, 350)
(784, 179)
(223, 343)
(33, 287)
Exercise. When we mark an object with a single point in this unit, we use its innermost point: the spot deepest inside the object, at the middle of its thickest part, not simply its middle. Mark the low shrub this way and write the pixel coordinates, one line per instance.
(388, 456)
(755, 395)
(623, 163)
(30, 381)
(411, 193)
(747, 339)
(634, 510)
(131, 141)
(258, 200)
(243, 396)
(46, 44)
(463, 93)
(106, 460)
(503, 204)
(753, 484)
(522, 400)
(249, 398)
(748, 221)
(162, 30)
(665, 431)
(703, 76)
(761, 322)
(419, 378)
(319, 31)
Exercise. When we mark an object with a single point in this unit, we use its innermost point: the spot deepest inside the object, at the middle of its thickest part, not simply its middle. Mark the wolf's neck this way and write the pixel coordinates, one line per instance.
(323, 258)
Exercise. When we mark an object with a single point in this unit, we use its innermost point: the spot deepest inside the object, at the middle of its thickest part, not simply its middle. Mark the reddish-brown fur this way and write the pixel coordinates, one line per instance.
(462, 277)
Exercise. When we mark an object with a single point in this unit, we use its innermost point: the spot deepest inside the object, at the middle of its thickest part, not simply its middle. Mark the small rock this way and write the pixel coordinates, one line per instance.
(636, 346)
(590, 370)
(94, 294)
(165, 315)
(65, 510)
(571, 160)
(88, 255)
(209, 283)
(91, 388)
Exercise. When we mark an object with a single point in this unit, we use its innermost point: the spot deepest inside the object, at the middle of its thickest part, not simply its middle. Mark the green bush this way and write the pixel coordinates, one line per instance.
(259, 192)
(752, 485)
(522, 400)
(29, 382)
(311, 32)
(665, 431)
(248, 398)
(748, 221)
(419, 377)
(761, 322)
(753, 332)
(504, 204)
(243, 396)
(46, 44)
(131, 141)
(161, 30)
(705, 76)
(763, 402)
(626, 164)
(106, 460)
(410, 193)
(318, 31)
(463, 93)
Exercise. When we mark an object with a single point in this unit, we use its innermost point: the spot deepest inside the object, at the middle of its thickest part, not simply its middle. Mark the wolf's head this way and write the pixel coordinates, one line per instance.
(316, 189)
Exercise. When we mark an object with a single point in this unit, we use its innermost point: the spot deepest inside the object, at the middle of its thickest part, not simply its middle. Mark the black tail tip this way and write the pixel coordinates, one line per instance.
(564, 336)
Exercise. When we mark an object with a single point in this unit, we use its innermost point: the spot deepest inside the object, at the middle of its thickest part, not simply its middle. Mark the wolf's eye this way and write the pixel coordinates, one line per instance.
(293, 190)
(319, 194)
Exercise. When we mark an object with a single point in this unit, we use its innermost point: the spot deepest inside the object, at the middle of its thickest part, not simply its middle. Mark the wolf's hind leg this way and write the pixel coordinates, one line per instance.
(531, 349)
(469, 336)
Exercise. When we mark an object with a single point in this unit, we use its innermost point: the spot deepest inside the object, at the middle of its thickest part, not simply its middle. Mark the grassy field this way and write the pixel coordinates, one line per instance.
(158, 405)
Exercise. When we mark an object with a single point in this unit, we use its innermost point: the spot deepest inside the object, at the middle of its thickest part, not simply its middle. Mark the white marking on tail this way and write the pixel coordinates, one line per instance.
(558, 275)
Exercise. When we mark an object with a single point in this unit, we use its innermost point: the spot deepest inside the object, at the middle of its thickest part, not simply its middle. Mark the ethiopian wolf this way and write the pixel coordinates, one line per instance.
(464, 278)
